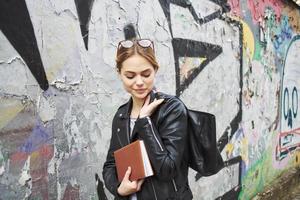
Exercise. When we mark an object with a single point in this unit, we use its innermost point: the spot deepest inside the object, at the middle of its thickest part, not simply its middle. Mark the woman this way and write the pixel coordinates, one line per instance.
(160, 120)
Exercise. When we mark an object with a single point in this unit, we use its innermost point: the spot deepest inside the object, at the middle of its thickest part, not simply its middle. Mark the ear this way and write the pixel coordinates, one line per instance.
(119, 73)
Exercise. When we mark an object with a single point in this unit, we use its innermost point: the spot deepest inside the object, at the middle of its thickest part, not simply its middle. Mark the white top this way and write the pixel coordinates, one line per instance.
(132, 123)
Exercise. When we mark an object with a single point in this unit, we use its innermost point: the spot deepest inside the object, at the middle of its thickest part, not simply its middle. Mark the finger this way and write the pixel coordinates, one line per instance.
(139, 184)
(159, 101)
(133, 186)
(127, 174)
(147, 100)
(152, 106)
(156, 103)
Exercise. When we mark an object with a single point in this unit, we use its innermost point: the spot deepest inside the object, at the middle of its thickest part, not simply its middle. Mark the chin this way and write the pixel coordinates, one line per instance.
(141, 96)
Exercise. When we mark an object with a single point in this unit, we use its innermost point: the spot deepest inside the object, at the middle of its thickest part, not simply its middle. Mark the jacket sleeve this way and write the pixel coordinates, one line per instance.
(165, 143)
(109, 172)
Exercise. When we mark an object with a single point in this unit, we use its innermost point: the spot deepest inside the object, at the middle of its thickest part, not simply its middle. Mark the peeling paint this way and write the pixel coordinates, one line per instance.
(235, 59)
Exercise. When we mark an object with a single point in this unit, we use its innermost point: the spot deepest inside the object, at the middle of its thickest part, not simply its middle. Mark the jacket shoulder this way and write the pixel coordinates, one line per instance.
(171, 100)
(122, 107)
(168, 97)
(121, 110)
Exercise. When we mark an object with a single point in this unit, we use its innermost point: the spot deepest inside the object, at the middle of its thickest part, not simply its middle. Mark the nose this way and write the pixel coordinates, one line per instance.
(139, 81)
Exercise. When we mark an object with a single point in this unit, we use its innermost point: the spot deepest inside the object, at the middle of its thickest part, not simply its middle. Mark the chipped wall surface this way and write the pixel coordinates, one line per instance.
(59, 88)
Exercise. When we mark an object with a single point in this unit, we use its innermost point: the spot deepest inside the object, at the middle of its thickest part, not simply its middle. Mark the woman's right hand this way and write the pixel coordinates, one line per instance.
(147, 108)
(128, 187)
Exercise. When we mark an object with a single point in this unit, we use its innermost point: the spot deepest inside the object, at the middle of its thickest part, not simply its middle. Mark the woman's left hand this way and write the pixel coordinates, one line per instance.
(147, 108)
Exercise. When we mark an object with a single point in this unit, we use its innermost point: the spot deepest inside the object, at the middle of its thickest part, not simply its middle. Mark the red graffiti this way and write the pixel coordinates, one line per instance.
(235, 7)
(18, 158)
(258, 7)
(71, 192)
(39, 171)
(288, 142)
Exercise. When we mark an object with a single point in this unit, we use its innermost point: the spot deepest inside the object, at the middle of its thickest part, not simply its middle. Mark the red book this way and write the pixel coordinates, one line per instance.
(135, 156)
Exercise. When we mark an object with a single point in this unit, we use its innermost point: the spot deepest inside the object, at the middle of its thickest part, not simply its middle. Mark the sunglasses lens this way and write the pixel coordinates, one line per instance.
(144, 43)
(126, 43)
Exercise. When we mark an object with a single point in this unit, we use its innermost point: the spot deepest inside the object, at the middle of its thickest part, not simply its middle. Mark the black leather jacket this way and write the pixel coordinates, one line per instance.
(165, 138)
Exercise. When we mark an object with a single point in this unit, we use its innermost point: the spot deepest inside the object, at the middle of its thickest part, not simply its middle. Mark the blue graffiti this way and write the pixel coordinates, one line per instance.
(295, 102)
(285, 33)
(287, 139)
(285, 99)
(40, 135)
(290, 112)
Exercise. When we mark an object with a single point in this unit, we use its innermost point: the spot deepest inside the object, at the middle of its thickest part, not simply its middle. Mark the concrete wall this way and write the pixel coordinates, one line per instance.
(59, 88)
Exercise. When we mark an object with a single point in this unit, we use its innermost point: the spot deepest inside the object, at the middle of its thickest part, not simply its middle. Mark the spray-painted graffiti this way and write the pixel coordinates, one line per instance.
(257, 8)
(289, 136)
(235, 7)
(31, 151)
(188, 68)
(290, 106)
(29, 147)
(284, 34)
(14, 17)
(268, 33)
(84, 8)
(53, 142)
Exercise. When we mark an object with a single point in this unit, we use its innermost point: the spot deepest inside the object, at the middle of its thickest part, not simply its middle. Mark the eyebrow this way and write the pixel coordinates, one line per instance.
(134, 72)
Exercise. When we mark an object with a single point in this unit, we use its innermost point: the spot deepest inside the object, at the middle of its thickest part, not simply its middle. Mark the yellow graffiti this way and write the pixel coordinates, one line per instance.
(229, 148)
(9, 109)
(297, 159)
(189, 64)
(244, 152)
(35, 160)
(248, 38)
(294, 17)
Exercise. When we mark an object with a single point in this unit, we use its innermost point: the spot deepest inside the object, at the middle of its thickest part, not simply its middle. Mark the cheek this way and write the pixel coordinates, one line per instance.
(127, 83)
(150, 80)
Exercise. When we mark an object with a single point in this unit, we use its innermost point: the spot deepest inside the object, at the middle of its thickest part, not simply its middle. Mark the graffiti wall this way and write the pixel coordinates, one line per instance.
(59, 88)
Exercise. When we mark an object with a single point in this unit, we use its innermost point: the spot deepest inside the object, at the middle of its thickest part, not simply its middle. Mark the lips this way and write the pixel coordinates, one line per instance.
(140, 91)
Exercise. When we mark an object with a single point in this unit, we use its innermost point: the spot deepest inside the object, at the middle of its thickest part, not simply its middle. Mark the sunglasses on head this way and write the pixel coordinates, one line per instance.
(145, 43)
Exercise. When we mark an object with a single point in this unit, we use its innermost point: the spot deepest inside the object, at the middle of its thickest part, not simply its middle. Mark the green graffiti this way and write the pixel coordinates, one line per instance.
(4, 156)
(257, 51)
(252, 180)
(259, 176)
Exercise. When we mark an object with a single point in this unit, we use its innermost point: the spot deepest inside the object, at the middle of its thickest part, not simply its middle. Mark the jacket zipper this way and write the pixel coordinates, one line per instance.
(174, 184)
(173, 181)
(153, 189)
(149, 120)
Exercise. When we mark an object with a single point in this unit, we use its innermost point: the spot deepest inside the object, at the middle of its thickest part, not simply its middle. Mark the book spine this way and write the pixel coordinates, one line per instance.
(141, 155)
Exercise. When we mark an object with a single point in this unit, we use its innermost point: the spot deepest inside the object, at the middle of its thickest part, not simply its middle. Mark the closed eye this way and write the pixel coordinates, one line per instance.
(130, 77)
(146, 75)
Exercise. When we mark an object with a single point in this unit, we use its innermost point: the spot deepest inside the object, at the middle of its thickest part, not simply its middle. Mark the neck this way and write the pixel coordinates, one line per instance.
(137, 103)
(136, 106)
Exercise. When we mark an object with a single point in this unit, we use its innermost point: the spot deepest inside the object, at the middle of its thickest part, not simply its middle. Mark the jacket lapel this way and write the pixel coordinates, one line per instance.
(123, 125)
